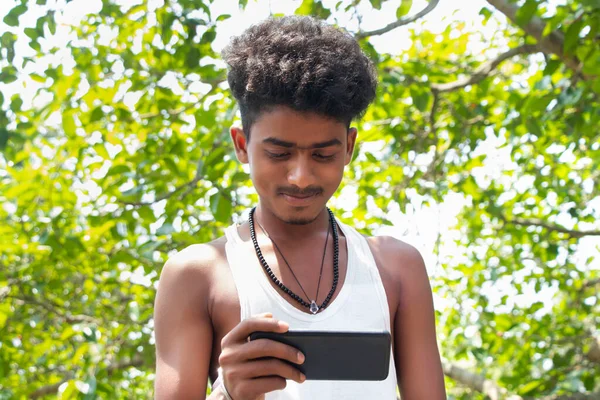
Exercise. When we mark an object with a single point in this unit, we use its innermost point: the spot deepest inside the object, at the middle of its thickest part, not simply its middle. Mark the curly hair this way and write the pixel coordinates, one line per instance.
(302, 63)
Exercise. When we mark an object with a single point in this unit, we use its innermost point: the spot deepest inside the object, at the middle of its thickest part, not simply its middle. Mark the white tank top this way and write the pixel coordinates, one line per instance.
(361, 305)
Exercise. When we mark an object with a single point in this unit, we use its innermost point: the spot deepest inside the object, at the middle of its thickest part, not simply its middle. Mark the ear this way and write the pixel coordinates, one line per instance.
(240, 143)
(352, 133)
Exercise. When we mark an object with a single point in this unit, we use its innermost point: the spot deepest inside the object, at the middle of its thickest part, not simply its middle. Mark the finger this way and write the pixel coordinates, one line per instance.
(270, 367)
(261, 348)
(266, 324)
(263, 315)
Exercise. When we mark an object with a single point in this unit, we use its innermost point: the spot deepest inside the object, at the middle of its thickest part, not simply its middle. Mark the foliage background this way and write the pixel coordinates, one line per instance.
(114, 153)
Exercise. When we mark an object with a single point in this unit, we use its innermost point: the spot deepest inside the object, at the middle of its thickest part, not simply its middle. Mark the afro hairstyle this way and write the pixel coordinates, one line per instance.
(302, 63)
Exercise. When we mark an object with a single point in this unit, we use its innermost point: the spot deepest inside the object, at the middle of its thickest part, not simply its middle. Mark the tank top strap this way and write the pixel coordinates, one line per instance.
(242, 277)
(362, 251)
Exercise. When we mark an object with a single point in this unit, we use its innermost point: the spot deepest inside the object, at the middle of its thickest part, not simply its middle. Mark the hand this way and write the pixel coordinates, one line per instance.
(253, 368)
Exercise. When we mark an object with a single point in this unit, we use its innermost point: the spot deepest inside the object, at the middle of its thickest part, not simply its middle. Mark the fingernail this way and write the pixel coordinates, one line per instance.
(283, 325)
(302, 378)
(300, 357)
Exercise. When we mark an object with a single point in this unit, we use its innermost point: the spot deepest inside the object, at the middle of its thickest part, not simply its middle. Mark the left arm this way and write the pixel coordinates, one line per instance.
(418, 365)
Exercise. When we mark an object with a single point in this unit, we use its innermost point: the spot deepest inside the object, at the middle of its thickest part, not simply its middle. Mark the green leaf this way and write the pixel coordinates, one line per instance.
(68, 123)
(101, 151)
(12, 18)
(572, 36)
(166, 28)
(209, 36)
(3, 138)
(591, 66)
(37, 78)
(170, 163)
(526, 12)
(7, 39)
(117, 170)
(165, 230)
(8, 74)
(193, 58)
(551, 66)
(486, 13)
(420, 98)
(404, 8)
(220, 207)
(376, 4)
(16, 103)
(530, 387)
(51, 22)
(70, 391)
(146, 213)
(35, 45)
(32, 33)
(91, 393)
(223, 17)
(96, 115)
(314, 8)
(534, 127)
(371, 158)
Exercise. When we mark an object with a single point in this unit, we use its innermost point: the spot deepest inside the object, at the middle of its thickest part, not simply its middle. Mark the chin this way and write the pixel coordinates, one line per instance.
(299, 221)
(299, 215)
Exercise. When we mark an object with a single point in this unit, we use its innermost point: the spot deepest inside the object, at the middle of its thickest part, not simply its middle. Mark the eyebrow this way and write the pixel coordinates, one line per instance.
(289, 145)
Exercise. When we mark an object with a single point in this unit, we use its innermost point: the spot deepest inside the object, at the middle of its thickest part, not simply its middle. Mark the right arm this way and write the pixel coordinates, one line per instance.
(183, 330)
(184, 337)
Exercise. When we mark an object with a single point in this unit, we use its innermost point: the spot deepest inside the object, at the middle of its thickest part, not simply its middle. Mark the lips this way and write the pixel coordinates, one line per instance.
(299, 200)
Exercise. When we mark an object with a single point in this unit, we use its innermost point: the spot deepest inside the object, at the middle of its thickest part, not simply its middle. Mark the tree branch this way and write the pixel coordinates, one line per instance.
(574, 396)
(401, 22)
(478, 383)
(554, 228)
(495, 392)
(551, 44)
(51, 389)
(484, 69)
(190, 185)
(593, 353)
(591, 283)
(171, 113)
(56, 309)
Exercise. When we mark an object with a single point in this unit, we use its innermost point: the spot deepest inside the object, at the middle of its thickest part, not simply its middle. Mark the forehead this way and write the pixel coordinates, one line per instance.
(298, 127)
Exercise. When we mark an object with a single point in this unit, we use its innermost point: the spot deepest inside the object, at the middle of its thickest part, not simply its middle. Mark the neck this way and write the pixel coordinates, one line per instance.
(279, 229)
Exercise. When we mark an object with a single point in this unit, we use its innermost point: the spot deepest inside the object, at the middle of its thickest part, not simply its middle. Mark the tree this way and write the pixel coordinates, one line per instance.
(122, 157)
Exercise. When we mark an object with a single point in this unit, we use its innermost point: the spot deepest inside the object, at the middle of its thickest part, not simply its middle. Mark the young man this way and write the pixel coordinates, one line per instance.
(299, 84)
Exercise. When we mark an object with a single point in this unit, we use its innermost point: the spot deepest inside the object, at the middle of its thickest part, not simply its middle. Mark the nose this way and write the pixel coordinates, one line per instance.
(300, 174)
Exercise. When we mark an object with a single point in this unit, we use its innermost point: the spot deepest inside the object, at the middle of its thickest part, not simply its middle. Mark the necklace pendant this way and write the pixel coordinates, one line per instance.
(314, 308)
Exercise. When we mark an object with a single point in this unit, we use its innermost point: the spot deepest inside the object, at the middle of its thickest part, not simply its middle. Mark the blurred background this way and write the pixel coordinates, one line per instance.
(482, 149)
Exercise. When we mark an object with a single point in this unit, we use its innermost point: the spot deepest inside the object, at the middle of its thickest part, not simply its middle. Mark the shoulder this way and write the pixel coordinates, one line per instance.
(396, 256)
(190, 270)
(401, 266)
(196, 258)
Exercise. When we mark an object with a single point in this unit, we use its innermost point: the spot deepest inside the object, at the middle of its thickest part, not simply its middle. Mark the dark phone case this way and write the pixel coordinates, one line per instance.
(340, 356)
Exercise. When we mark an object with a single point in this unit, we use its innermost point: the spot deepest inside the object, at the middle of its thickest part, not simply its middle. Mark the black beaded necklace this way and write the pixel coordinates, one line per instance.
(312, 306)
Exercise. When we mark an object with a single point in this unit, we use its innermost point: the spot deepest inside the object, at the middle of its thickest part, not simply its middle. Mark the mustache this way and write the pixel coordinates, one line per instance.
(296, 191)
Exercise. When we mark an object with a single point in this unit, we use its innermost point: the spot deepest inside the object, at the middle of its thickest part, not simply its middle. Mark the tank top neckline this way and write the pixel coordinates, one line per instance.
(334, 306)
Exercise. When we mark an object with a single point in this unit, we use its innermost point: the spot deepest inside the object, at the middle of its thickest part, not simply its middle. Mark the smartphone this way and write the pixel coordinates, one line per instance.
(339, 356)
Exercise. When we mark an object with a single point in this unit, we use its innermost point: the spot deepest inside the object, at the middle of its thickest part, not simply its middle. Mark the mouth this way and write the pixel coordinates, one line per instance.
(299, 200)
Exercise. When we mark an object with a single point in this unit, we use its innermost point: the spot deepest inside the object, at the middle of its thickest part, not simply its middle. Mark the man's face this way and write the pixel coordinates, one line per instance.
(296, 161)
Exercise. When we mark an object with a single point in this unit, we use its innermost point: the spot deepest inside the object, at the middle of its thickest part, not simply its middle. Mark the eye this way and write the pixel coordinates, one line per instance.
(323, 157)
(277, 156)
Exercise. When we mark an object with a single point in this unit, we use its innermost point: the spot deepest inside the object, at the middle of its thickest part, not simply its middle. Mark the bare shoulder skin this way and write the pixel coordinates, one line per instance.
(184, 313)
(418, 366)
